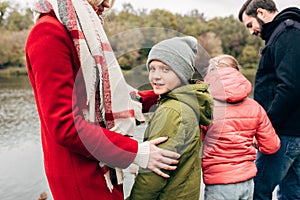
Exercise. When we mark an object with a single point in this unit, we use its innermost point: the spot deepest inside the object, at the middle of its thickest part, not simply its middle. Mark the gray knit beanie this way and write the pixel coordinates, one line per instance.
(178, 53)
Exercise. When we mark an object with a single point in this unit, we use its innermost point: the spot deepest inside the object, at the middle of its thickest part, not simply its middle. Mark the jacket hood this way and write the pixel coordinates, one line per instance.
(197, 97)
(288, 13)
(228, 85)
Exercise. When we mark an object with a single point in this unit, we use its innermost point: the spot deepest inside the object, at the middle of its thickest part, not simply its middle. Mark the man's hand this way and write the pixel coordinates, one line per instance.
(161, 159)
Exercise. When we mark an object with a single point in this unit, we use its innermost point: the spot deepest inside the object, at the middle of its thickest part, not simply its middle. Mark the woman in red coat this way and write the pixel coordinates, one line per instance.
(83, 122)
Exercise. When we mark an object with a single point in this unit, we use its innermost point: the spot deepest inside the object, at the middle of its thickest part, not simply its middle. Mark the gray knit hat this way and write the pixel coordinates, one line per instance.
(178, 53)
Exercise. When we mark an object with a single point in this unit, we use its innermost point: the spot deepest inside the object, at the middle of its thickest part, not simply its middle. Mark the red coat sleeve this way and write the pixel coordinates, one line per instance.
(52, 67)
(149, 100)
(268, 140)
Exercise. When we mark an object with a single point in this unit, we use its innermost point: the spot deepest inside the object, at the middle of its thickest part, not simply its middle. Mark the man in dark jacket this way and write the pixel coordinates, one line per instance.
(276, 88)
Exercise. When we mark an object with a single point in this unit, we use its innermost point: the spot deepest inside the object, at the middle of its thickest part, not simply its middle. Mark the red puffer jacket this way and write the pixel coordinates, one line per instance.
(228, 153)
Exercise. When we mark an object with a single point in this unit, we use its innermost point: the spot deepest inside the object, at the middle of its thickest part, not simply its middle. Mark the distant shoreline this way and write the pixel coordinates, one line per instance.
(14, 71)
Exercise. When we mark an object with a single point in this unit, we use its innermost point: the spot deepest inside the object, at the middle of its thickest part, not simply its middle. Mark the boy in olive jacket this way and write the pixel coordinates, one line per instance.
(181, 108)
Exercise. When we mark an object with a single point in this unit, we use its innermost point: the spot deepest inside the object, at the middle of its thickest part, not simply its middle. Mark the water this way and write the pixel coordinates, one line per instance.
(21, 160)
(21, 175)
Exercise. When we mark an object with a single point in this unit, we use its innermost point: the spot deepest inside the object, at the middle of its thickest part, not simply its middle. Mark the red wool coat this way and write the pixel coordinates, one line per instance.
(72, 147)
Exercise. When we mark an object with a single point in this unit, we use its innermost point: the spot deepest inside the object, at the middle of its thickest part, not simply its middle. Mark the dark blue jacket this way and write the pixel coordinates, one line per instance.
(277, 82)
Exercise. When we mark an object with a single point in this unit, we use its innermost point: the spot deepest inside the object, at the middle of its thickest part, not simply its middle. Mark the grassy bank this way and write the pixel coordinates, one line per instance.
(135, 77)
(13, 71)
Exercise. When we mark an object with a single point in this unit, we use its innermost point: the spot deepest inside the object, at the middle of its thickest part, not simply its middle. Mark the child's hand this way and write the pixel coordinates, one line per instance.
(255, 143)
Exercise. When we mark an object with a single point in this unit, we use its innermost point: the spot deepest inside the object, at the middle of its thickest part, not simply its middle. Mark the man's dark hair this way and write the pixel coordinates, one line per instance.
(250, 7)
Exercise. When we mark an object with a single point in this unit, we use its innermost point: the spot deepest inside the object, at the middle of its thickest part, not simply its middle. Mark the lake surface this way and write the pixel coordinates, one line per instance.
(22, 174)
(21, 160)
(21, 171)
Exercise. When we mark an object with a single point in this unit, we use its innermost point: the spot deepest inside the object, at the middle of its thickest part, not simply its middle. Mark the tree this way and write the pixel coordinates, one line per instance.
(17, 21)
(191, 25)
(249, 57)
(196, 14)
(161, 18)
(232, 33)
(212, 43)
(132, 33)
(127, 7)
(3, 10)
(12, 48)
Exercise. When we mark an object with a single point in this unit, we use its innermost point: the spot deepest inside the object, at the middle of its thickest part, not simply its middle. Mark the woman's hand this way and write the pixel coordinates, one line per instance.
(161, 158)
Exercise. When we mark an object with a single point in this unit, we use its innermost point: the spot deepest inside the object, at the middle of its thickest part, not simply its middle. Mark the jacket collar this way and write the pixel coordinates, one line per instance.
(288, 13)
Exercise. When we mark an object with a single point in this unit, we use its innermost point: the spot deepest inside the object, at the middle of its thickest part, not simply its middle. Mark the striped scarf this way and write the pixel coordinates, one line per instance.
(101, 71)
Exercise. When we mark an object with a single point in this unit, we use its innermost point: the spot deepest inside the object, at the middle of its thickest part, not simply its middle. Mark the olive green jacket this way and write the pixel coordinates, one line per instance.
(178, 116)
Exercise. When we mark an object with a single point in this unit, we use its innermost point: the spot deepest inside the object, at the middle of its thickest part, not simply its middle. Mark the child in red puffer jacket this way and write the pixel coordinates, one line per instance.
(228, 151)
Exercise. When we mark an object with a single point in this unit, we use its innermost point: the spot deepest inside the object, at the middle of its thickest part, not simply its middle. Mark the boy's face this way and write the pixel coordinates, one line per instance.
(162, 78)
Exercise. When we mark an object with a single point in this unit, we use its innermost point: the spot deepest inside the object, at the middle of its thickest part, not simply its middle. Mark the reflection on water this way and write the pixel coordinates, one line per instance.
(22, 175)
(18, 117)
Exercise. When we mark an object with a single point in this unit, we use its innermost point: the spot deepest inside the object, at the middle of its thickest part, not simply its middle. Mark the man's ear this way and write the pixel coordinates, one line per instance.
(261, 13)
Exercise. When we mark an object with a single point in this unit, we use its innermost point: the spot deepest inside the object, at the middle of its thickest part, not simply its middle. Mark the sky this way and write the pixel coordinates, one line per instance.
(210, 8)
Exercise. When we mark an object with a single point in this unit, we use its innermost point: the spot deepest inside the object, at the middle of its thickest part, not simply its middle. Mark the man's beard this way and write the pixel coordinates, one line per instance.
(261, 23)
